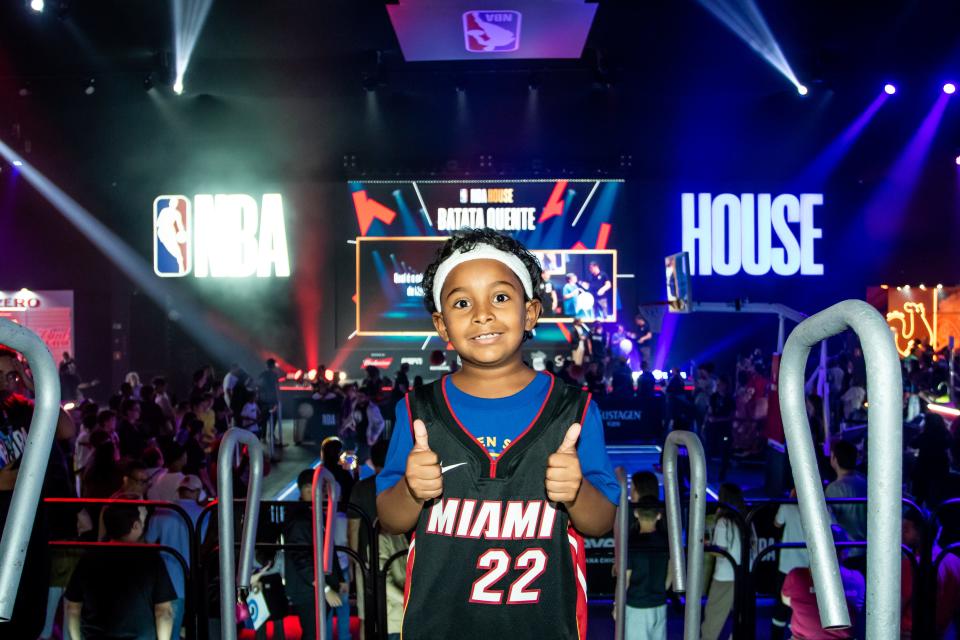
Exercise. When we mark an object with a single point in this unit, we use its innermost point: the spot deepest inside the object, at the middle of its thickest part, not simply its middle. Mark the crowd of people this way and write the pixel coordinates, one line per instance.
(147, 443)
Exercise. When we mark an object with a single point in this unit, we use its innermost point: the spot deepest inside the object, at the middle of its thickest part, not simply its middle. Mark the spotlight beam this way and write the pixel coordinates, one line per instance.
(744, 19)
(193, 319)
(189, 17)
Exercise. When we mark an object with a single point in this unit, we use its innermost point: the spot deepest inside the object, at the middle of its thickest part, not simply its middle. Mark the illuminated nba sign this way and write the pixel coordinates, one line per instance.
(220, 236)
(491, 31)
(754, 233)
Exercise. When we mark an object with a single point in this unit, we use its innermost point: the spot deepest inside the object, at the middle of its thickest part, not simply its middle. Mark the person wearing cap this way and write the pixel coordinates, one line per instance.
(500, 469)
(168, 528)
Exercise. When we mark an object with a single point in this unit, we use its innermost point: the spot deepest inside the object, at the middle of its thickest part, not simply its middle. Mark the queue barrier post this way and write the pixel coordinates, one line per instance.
(33, 464)
(322, 542)
(688, 572)
(229, 581)
(621, 539)
(885, 447)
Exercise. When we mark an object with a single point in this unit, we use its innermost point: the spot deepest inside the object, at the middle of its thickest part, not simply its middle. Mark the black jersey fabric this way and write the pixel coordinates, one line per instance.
(492, 557)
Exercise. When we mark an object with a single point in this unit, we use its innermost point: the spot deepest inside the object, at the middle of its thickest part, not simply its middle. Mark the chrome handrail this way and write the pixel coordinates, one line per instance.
(225, 515)
(885, 448)
(33, 464)
(687, 572)
(322, 547)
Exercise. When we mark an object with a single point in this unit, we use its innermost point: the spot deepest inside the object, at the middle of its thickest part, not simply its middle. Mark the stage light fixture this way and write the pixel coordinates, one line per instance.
(889, 89)
(91, 87)
(328, 375)
(312, 375)
(802, 90)
(17, 163)
(178, 86)
(37, 5)
(958, 160)
(23, 92)
(148, 82)
(949, 88)
(533, 83)
(189, 17)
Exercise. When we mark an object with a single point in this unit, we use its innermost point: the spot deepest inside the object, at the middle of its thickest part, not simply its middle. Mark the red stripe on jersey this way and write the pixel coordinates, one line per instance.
(579, 557)
(411, 557)
(585, 407)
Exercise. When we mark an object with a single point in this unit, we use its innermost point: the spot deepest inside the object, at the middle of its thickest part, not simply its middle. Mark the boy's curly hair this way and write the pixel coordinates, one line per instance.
(468, 239)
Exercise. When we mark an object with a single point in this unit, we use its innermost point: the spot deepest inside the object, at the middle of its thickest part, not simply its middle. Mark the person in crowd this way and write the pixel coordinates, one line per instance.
(914, 532)
(83, 450)
(268, 396)
(719, 425)
(132, 380)
(135, 480)
(642, 335)
(599, 344)
(363, 424)
(363, 497)
(932, 468)
(202, 407)
(120, 594)
(787, 519)
(644, 485)
(299, 568)
(616, 343)
(168, 528)
(161, 397)
(704, 386)
(594, 380)
(154, 423)
(799, 597)
(132, 439)
(726, 535)
(166, 484)
(579, 341)
(621, 379)
(69, 379)
(103, 475)
(548, 293)
(849, 484)
(403, 376)
(250, 413)
(679, 408)
(372, 382)
(231, 379)
(647, 576)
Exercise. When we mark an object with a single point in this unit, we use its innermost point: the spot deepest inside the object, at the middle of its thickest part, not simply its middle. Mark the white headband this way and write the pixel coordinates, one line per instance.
(480, 252)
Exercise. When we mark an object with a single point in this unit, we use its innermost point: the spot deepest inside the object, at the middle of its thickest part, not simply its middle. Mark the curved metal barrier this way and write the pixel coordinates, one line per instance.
(885, 449)
(33, 465)
(322, 544)
(228, 580)
(690, 578)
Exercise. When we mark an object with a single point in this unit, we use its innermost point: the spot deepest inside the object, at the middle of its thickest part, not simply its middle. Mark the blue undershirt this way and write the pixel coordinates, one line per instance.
(495, 422)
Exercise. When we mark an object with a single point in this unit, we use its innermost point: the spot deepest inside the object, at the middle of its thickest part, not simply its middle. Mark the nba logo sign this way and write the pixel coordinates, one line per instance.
(171, 236)
(491, 31)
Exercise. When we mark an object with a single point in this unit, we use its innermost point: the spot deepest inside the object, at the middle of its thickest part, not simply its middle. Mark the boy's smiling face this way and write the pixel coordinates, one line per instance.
(483, 313)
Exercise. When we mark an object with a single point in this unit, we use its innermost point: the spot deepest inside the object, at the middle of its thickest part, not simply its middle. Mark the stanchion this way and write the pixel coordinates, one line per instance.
(33, 465)
(228, 581)
(687, 572)
(621, 541)
(322, 545)
(885, 448)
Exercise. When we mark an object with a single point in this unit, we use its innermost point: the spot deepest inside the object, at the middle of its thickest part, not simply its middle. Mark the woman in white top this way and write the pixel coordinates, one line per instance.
(726, 535)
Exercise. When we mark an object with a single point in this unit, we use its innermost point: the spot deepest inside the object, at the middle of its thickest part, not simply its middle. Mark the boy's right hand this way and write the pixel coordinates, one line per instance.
(423, 476)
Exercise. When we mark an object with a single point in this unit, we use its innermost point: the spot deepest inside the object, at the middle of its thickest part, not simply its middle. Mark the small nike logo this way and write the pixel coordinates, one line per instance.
(452, 466)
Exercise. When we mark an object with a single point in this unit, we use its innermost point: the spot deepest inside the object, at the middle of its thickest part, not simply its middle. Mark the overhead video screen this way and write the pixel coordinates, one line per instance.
(389, 294)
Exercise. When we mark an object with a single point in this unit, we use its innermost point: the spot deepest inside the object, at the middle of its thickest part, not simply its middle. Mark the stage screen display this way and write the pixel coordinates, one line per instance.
(389, 296)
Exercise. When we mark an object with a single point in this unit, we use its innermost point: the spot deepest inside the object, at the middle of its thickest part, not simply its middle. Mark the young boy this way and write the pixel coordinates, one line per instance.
(485, 464)
(647, 575)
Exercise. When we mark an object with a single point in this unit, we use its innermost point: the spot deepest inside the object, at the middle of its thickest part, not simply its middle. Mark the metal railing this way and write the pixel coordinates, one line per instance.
(621, 537)
(230, 582)
(885, 449)
(33, 464)
(687, 572)
(322, 544)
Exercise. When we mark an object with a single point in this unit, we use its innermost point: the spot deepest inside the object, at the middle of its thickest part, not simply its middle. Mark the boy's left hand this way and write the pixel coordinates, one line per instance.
(563, 469)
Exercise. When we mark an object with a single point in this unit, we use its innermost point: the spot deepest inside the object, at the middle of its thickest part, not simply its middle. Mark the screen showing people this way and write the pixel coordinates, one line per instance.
(578, 284)
(389, 295)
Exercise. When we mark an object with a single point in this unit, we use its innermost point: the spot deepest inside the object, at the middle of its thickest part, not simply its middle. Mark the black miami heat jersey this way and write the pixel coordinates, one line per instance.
(492, 557)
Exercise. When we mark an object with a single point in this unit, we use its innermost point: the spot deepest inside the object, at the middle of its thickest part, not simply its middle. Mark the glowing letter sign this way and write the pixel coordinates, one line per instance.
(227, 236)
(726, 234)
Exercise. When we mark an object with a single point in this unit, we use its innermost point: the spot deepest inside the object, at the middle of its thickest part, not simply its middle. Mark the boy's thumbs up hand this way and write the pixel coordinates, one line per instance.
(563, 469)
(423, 477)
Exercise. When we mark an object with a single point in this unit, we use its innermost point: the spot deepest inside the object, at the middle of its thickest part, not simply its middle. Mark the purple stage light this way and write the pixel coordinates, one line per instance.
(889, 89)
(958, 160)
(949, 88)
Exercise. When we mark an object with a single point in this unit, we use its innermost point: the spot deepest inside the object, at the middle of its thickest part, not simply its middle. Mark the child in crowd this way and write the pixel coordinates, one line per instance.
(499, 469)
(647, 576)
